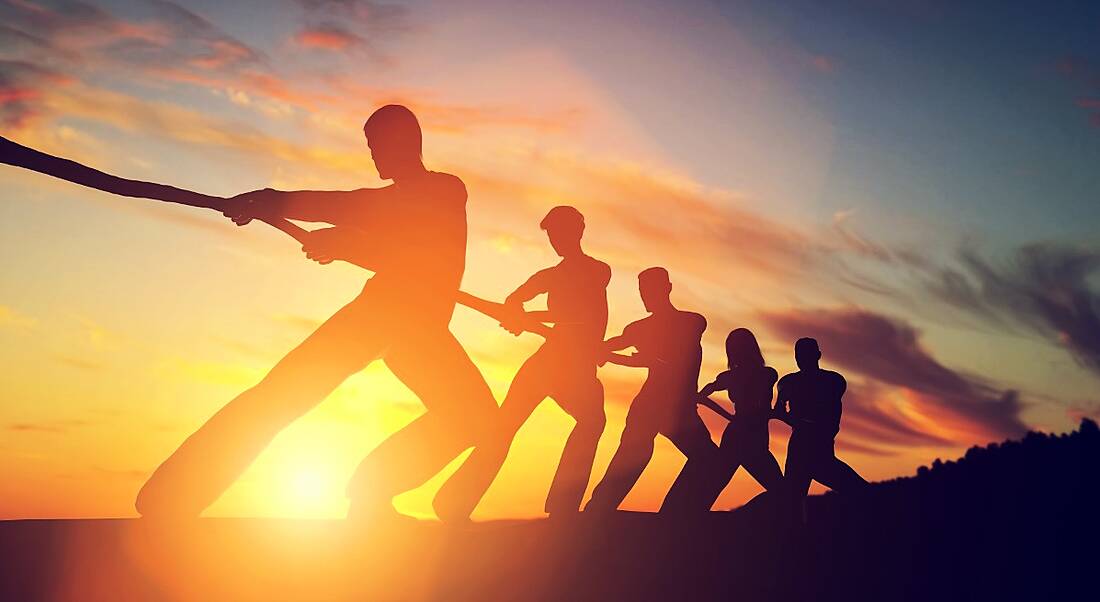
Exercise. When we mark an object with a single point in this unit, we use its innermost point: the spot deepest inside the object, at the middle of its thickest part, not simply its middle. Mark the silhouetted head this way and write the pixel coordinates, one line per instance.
(655, 288)
(394, 137)
(742, 350)
(806, 353)
(564, 226)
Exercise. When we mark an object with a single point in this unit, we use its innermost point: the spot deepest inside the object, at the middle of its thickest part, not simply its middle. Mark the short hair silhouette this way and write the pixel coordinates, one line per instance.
(655, 287)
(396, 127)
(564, 219)
(742, 349)
(655, 275)
(806, 351)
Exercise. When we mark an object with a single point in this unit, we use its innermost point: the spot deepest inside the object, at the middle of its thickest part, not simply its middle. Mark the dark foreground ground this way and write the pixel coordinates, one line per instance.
(1011, 522)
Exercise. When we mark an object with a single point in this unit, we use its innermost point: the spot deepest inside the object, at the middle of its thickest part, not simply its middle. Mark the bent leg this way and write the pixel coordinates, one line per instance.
(799, 467)
(765, 469)
(694, 488)
(461, 493)
(835, 474)
(584, 402)
(459, 407)
(729, 458)
(215, 455)
(630, 459)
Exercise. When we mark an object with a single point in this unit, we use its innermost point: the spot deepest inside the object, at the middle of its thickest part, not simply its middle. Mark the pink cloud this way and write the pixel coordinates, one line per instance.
(327, 37)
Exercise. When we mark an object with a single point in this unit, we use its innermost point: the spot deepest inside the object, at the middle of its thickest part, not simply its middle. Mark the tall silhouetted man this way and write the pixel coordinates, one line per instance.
(668, 344)
(412, 235)
(810, 401)
(563, 368)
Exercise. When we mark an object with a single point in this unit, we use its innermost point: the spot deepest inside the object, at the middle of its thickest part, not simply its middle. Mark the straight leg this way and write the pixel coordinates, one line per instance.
(765, 469)
(800, 466)
(460, 494)
(693, 489)
(583, 400)
(208, 461)
(730, 456)
(630, 459)
(459, 406)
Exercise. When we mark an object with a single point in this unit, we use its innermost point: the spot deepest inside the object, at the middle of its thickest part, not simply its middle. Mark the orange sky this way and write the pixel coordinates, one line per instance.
(124, 324)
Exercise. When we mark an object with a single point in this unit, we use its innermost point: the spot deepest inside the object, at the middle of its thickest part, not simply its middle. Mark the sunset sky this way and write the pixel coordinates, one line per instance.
(913, 183)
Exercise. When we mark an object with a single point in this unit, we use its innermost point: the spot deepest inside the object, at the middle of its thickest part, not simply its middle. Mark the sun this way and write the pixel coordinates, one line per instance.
(311, 491)
(308, 485)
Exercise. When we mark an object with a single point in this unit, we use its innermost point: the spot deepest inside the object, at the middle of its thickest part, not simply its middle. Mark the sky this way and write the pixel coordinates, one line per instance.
(913, 183)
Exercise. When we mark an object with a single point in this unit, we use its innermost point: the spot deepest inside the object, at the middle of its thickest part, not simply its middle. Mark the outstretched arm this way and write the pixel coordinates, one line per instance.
(625, 340)
(345, 243)
(716, 407)
(709, 389)
(516, 320)
(330, 206)
(536, 285)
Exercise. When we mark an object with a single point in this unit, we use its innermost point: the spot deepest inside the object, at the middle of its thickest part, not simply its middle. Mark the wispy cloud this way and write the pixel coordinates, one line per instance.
(12, 319)
(47, 427)
(328, 37)
(81, 363)
(1045, 288)
(1085, 73)
(945, 402)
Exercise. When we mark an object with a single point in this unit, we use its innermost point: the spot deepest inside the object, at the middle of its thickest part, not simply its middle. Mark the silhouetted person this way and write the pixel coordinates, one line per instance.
(563, 368)
(814, 399)
(668, 343)
(412, 234)
(748, 382)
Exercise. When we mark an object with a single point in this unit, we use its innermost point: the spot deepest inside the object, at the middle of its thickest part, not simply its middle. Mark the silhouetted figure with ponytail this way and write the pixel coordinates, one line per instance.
(748, 382)
(412, 235)
(668, 344)
(563, 368)
(810, 401)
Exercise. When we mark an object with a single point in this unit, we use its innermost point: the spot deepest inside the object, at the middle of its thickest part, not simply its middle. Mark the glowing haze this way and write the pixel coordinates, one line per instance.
(886, 177)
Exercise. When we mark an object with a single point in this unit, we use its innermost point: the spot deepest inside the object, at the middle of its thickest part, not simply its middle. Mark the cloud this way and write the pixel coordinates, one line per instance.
(52, 426)
(889, 352)
(1044, 288)
(328, 37)
(823, 64)
(1089, 103)
(79, 39)
(12, 319)
(79, 362)
(161, 32)
(22, 85)
(1086, 74)
(871, 418)
(706, 234)
(302, 323)
(350, 27)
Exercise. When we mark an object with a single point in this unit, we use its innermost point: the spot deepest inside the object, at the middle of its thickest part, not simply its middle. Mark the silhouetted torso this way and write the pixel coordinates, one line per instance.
(750, 390)
(815, 400)
(672, 341)
(576, 297)
(418, 234)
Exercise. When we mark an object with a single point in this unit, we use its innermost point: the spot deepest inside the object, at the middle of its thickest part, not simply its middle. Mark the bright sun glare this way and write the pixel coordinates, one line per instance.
(310, 491)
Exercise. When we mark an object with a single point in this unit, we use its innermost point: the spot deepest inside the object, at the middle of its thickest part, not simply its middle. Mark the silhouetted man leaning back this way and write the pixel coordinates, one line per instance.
(412, 234)
(563, 368)
(814, 399)
(669, 345)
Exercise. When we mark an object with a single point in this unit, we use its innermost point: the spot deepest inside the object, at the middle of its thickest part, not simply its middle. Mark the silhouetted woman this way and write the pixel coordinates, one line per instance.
(749, 383)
